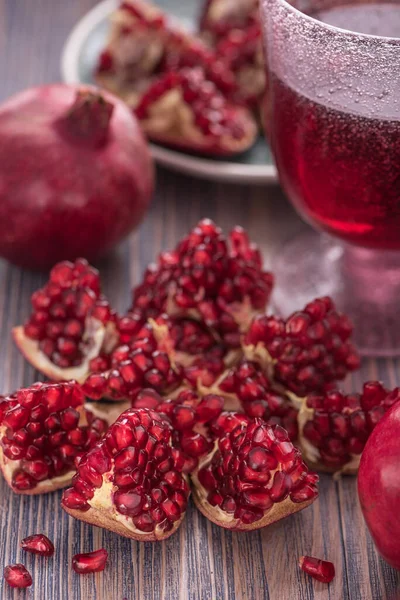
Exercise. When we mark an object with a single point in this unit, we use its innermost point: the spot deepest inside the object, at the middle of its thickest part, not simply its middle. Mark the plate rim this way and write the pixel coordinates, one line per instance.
(202, 167)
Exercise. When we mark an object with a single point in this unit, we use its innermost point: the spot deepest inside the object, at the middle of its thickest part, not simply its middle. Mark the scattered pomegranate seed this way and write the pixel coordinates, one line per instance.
(17, 576)
(321, 570)
(38, 544)
(91, 562)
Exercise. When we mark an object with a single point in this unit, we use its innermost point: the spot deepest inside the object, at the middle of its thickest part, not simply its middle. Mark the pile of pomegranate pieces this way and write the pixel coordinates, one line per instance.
(205, 393)
(201, 93)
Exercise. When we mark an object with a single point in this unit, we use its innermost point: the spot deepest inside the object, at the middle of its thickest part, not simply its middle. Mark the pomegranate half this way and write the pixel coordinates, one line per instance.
(379, 486)
(76, 174)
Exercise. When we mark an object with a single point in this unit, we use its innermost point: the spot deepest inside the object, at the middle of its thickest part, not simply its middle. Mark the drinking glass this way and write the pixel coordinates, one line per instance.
(332, 115)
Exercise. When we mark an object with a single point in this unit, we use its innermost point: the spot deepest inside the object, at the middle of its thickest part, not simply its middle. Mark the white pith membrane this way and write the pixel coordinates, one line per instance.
(96, 337)
(279, 510)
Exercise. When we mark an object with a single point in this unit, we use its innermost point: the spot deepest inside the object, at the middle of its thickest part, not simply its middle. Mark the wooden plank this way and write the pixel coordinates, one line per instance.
(202, 561)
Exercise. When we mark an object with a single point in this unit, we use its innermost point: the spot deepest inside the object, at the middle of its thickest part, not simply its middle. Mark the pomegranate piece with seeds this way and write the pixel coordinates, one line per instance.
(246, 387)
(219, 17)
(307, 352)
(321, 570)
(38, 544)
(90, 562)
(144, 44)
(144, 361)
(335, 427)
(208, 277)
(184, 109)
(70, 322)
(44, 430)
(131, 482)
(253, 477)
(17, 576)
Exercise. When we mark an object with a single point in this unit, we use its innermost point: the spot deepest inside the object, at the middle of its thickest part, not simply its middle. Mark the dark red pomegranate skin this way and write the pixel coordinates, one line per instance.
(379, 486)
(68, 188)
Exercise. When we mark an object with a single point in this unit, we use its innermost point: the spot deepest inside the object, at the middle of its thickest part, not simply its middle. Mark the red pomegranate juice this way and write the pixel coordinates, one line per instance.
(339, 153)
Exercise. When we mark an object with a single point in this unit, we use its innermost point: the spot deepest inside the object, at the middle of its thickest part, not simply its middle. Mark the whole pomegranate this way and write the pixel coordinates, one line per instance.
(75, 174)
(379, 485)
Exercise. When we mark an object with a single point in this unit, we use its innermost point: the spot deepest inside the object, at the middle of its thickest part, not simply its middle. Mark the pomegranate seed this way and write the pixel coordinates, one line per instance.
(38, 544)
(91, 562)
(321, 570)
(17, 576)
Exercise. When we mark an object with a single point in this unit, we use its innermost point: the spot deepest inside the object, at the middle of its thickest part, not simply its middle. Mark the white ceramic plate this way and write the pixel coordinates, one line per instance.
(78, 61)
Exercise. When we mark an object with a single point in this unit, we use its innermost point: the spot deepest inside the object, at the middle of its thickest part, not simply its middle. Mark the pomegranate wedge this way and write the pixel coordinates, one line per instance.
(44, 430)
(307, 352)
(145, 44)
(71, 322)
(131, 482)
(335, 427)
(253, 477)
(215, 279)
(186, 110)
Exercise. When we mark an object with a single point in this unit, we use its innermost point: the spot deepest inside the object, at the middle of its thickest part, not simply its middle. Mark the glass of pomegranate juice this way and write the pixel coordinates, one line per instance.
(333, 119)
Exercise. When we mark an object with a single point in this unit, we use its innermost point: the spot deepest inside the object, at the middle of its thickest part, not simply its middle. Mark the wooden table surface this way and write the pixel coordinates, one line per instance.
(201, 561)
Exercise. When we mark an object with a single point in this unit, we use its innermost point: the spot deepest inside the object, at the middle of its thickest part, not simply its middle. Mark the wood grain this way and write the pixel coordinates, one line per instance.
(202, 561)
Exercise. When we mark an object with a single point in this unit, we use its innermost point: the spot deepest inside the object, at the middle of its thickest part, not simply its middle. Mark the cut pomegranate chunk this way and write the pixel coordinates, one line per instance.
(44, 430)
(253, 477)
(307, 352)
(71, 321)
(38, 544)
(186, 110)
(145, 44)
(335, 427)
(321, 570)
(144, 361)
(131, 482)
(91, 562)
(217, 281)
(17, 576)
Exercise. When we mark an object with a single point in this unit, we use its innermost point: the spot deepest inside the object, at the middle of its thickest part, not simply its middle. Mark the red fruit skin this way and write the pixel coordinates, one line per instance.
(379, 486)
(63, 195)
